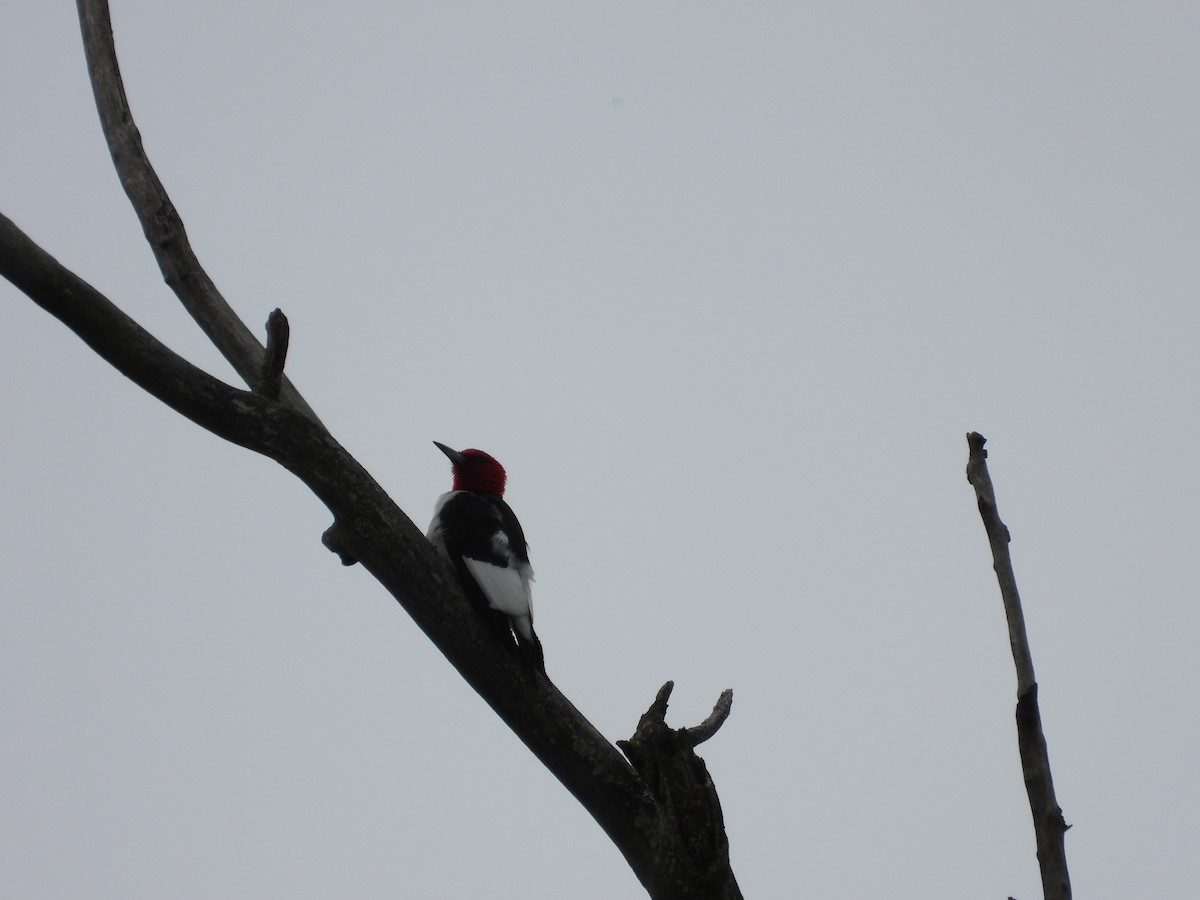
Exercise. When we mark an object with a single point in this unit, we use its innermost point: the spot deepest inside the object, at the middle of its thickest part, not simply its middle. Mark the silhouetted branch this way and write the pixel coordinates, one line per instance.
(664, 817)
(700, 733)
(278, 334)
(672, 838)
(371, 528)
(1048, 823)
(161, 223)
(687, 800)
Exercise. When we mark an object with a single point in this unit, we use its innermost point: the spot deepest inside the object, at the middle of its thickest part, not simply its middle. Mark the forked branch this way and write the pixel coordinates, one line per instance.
(653, 830)
(685, 795)
(161, 222)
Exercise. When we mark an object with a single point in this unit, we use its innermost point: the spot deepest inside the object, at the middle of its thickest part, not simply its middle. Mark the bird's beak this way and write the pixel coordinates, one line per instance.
(455, 457)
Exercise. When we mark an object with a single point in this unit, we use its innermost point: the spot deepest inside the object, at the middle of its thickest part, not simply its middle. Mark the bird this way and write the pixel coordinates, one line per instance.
(477, 532)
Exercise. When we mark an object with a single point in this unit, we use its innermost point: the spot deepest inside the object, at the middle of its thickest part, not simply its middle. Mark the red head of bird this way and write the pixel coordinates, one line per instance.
(475, 470)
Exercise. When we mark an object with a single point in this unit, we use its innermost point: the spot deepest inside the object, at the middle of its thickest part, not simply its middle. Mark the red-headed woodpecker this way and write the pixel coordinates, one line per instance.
(478, 533)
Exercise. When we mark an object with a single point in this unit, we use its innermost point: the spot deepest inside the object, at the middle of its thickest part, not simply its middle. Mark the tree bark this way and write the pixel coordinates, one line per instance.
(653, 831)
(685, 792)
(161, 222)
(1048, 824)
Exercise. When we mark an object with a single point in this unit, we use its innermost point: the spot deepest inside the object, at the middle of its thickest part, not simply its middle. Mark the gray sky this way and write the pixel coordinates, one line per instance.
(724, 289)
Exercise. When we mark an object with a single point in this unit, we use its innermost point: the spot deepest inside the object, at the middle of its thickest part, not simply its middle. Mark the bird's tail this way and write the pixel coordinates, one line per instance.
(528, 644)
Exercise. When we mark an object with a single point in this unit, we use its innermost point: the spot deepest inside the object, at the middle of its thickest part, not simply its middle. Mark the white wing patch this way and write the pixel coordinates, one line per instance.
(507, 589)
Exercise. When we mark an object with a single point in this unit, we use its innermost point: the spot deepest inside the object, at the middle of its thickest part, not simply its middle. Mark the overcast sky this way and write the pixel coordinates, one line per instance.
(723, 286)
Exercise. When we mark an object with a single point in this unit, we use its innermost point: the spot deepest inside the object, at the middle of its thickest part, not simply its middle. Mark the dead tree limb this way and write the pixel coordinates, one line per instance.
(367, 526)
(160, 220)
(270, 380)
(372, 530)
(679, 781)
(1048, 823)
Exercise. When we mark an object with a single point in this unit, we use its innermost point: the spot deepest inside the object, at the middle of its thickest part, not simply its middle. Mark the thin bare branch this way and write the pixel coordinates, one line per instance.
(658, 709)
(998, 537)
(698, 734)
(160, 221)
(1048, 823)
(278, 334)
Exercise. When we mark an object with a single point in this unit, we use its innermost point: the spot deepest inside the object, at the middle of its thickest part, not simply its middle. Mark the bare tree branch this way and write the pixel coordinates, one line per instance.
(698, 734)
(160, 221)
(684, 792)
(673, 854)
(657, 830)
(1048, 823)
(278, 335)
(375, 530)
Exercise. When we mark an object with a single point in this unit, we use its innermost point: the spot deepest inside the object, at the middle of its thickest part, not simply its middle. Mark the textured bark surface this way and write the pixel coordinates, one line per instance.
(274, 420)
(1048, 823)
(161, 222)
(697, 862)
